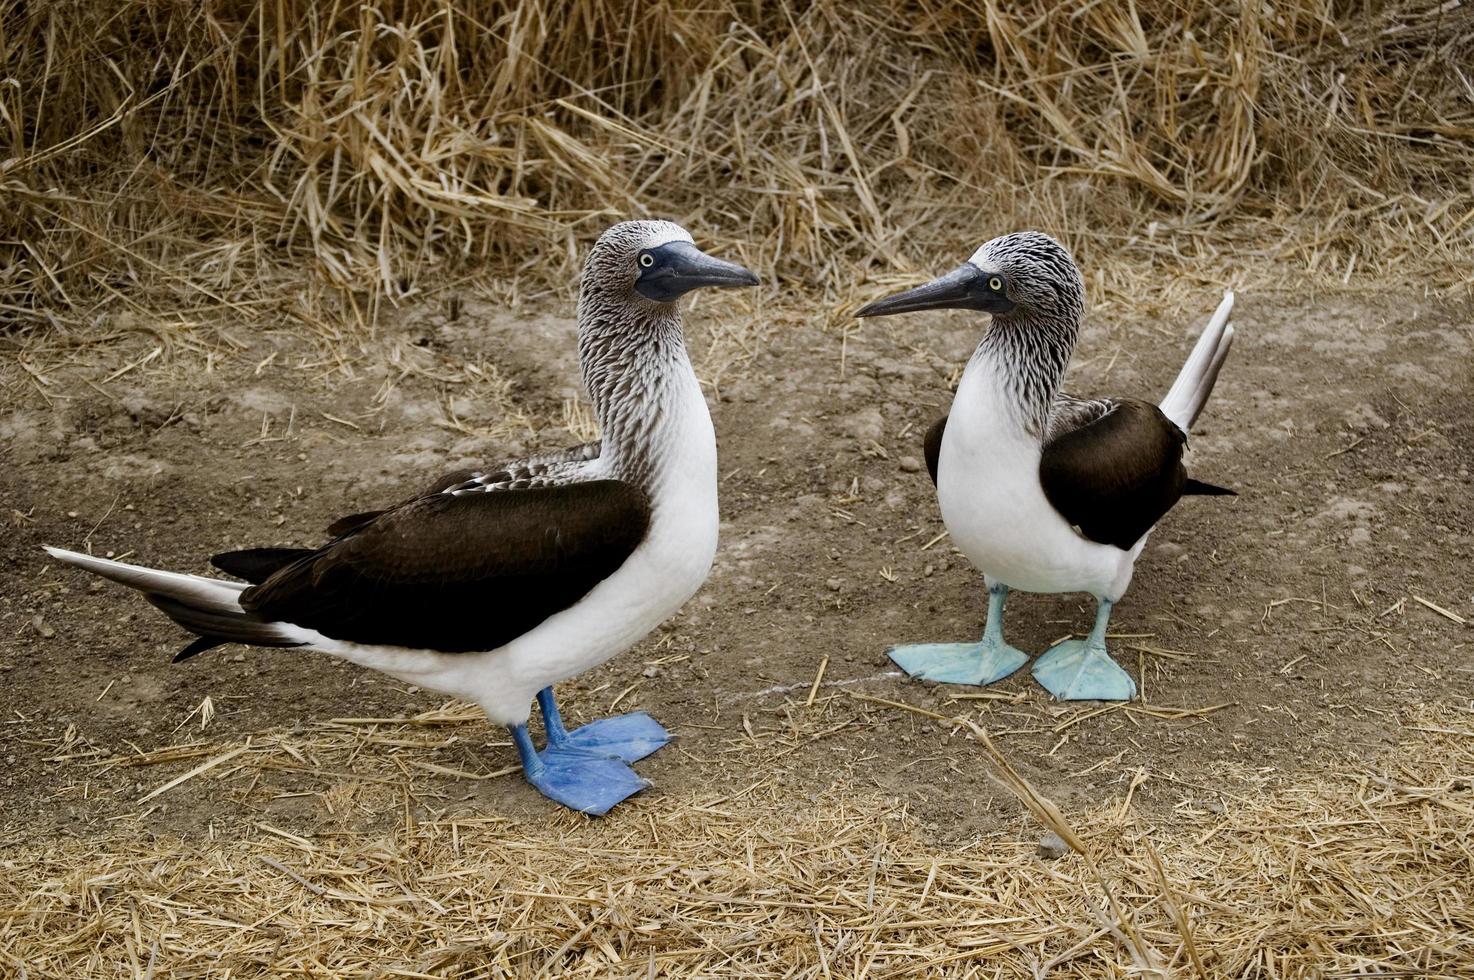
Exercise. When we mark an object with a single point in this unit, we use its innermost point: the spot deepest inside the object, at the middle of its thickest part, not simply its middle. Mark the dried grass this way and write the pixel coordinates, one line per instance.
(1342, 873)
(167, 167)
(188, 155)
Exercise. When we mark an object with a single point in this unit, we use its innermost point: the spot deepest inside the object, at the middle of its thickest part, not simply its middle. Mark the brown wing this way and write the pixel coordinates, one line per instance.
(932, 443)
(457, 573)
(256, 565)
(1114, 477)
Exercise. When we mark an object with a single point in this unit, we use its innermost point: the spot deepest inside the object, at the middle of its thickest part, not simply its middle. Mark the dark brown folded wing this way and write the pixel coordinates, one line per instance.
(457, 573)
(932, 443)
(1114, 477)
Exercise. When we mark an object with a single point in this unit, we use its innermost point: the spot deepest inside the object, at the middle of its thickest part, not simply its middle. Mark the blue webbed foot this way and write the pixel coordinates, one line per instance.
(629, 737)
(958, 663)
(1081, 670)
(584, 781)
(589, 782)
(984, 662)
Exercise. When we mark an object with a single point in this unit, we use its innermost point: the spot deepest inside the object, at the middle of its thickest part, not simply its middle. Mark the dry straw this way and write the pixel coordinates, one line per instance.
(193, 156)
(1351, 872)
(200, 149)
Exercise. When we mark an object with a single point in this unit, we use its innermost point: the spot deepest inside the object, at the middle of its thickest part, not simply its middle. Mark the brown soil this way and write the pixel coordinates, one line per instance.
(1345, 423)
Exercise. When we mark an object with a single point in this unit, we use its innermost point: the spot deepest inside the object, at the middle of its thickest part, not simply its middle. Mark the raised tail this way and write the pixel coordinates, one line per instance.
(210, 608)
(1189, 393)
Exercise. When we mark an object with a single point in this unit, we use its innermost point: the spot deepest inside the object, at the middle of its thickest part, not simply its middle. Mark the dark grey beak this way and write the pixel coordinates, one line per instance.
(964, 288)
(675, 269)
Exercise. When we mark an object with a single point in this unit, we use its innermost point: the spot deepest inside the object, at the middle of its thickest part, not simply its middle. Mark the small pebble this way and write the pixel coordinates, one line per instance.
(910, 464)
(834, 585)
(1052, 846)
(239, 658)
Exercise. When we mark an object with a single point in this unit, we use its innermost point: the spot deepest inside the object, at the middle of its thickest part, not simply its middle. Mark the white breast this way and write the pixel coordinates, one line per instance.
(994, 506)
(662, 573)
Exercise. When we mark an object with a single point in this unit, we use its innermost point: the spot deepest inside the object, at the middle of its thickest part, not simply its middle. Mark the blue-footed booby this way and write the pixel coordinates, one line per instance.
(1042, 491)
(493, 585)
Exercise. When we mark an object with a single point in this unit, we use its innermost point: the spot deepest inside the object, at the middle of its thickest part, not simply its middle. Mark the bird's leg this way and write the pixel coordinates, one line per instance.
(988, 660)
(1081, 670)
(552, 718)
(588, 782)
(629, 737)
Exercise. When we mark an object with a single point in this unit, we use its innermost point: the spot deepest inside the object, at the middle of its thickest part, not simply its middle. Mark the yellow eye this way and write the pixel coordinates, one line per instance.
(647, 260)
(995, 284)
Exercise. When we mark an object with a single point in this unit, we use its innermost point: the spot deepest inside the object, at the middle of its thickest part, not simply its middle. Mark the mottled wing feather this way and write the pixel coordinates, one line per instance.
(1115, 475)
(452, 479)
(546, 469)
(542, 470)
(457, 573)
(1068, 413)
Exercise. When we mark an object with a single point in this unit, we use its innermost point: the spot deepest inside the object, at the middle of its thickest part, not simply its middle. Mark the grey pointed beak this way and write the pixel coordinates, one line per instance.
(964, 288)
(679, 267)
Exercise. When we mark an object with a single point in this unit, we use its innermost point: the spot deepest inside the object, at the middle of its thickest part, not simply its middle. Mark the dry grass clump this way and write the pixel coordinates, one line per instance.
(1345, 873)
(199, 148)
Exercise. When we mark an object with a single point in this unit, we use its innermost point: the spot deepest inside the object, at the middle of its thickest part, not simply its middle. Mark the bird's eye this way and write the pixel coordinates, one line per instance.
(995, 284)
(646, 260)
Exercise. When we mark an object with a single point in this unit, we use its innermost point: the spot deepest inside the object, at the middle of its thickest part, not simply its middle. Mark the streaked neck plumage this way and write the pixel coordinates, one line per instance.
(632, 354)
(1027, 353)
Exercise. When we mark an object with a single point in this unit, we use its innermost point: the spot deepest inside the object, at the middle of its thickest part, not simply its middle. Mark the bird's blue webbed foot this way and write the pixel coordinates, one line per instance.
(628, 737)
(1081, 670)
(983, 662)
(589, 782)
(958, 663)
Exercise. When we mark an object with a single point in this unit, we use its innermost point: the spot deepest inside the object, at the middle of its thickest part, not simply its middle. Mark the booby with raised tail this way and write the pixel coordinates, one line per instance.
(494, 585)
(1042, 491)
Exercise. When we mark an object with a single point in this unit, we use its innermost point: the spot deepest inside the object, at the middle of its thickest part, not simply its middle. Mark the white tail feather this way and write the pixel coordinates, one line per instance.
(207, 607)
(1189, 393)
(194, 590)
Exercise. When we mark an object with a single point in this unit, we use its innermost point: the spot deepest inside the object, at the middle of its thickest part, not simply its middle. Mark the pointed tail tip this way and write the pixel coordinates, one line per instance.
(1220, 314)
(1199, 488)
(82, 559)
(200, 645)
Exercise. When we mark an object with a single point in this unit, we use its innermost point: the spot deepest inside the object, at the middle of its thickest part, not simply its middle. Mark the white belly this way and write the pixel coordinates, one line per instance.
(665, 571)
(994, 506)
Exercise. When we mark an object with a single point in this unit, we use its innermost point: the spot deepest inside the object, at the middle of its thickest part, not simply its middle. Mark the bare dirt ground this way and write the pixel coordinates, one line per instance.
(1279, 632)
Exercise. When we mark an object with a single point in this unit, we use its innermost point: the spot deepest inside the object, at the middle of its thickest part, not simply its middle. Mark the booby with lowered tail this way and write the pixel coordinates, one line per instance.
(494, 585)
(1042, 491)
